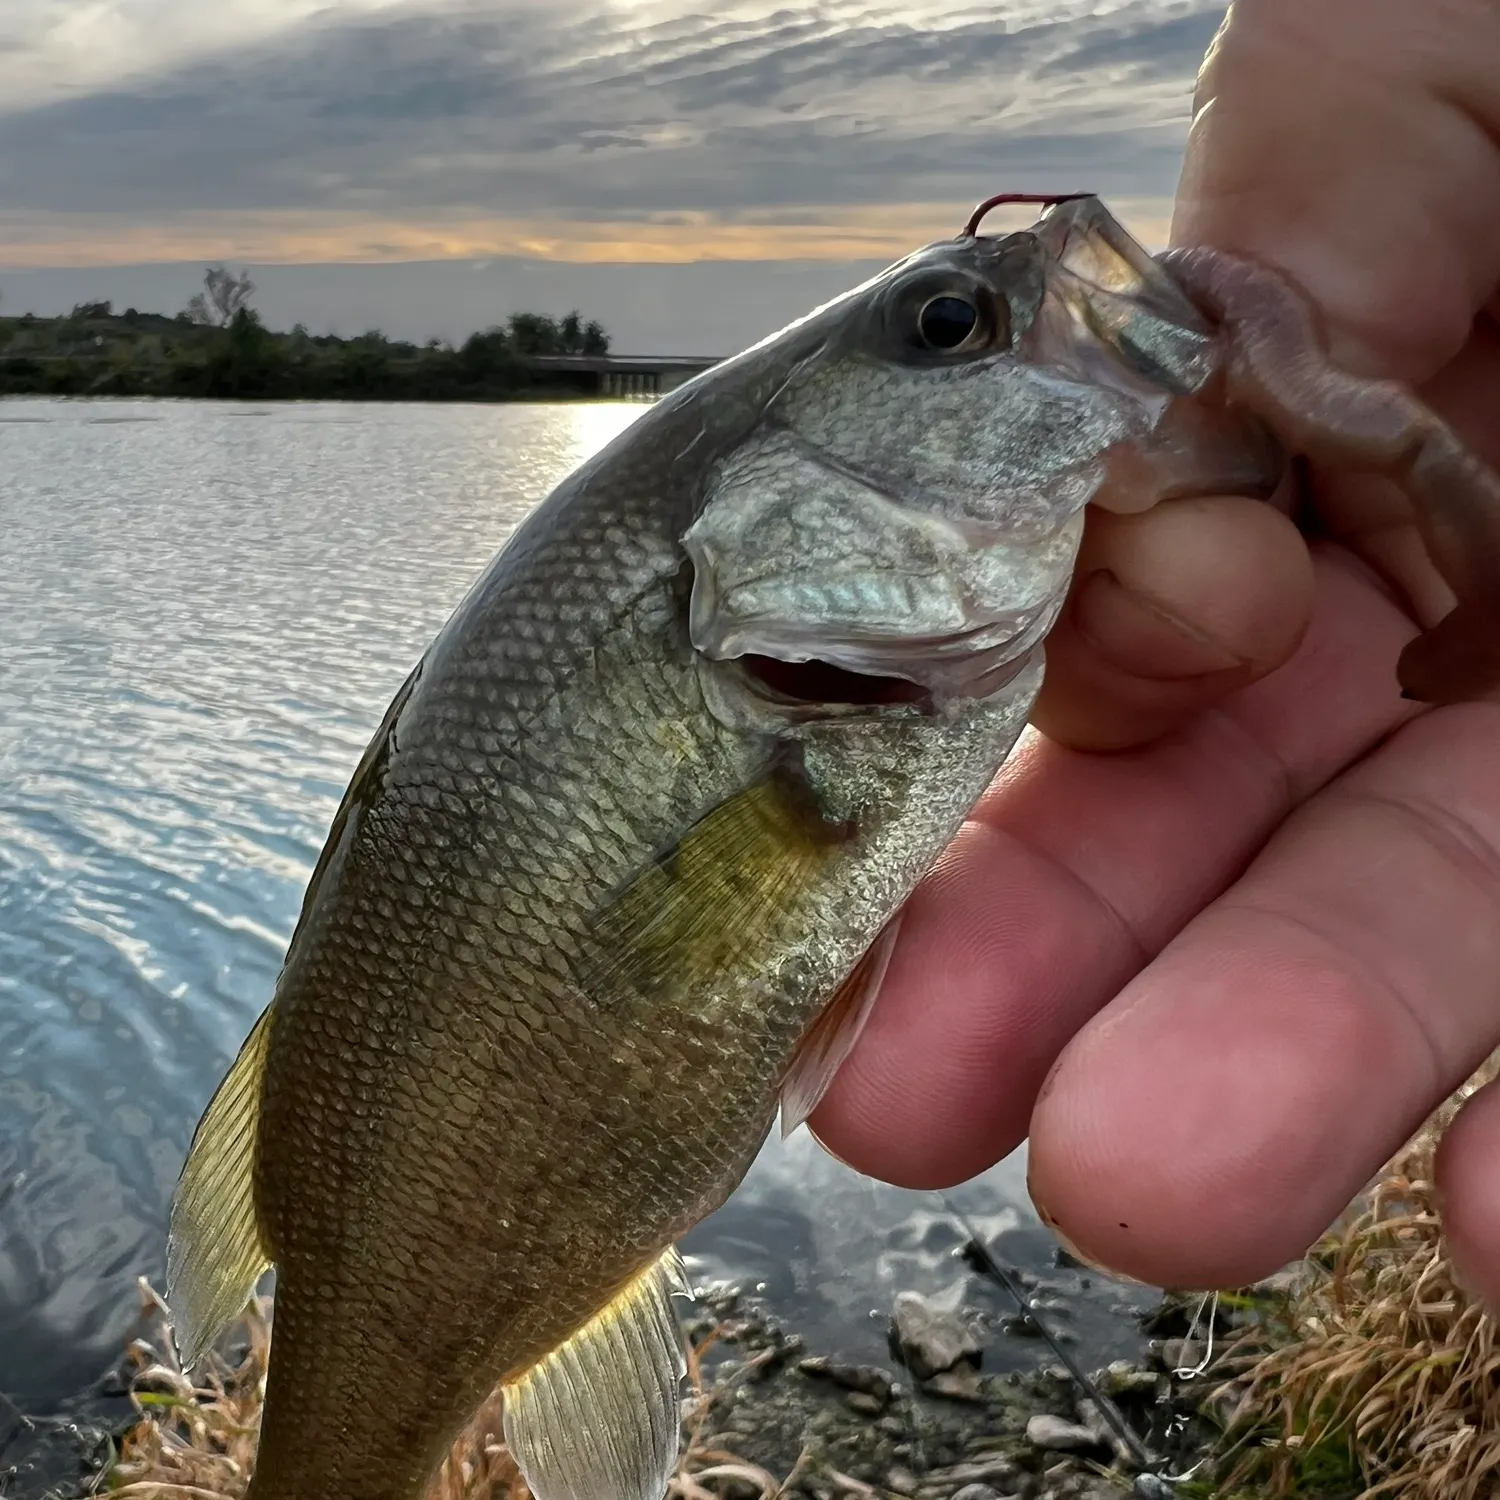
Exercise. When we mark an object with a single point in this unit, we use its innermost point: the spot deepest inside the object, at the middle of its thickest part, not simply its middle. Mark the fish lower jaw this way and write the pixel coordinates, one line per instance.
(841, 679)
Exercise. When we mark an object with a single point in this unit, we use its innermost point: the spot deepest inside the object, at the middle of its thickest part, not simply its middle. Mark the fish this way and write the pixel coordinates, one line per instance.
(618, 877)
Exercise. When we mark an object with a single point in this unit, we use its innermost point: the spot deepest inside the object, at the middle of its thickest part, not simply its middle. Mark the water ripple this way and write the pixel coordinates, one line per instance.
(202, 619)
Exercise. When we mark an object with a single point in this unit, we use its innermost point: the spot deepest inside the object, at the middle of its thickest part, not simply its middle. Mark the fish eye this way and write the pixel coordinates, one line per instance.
(947, 321)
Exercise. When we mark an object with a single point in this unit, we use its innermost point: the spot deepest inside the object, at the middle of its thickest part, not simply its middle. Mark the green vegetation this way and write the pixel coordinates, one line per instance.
(218, 347)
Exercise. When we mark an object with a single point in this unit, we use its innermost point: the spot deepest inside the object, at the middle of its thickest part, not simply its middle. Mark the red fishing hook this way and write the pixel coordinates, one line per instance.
(1046, 199)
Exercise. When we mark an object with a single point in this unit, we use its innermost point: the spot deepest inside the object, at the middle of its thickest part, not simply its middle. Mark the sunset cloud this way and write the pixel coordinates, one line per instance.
(283, 130)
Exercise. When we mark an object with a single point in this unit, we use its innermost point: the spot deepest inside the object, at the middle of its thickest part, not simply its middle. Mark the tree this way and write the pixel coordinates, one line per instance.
(486, 354)
(595, 339)
(224, 294)
(83, 310)
(533, 333)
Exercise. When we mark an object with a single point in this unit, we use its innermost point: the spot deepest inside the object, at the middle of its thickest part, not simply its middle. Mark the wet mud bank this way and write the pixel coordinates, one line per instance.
(933, 1423)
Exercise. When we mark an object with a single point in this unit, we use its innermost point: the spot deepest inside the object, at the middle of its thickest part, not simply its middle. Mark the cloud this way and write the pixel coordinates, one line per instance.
(1172, 49)
(443, 128)
(57, 48)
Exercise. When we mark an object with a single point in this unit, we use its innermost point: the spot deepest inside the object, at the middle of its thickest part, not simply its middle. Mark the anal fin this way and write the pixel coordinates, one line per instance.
(600, 1417)
(215, 1251)
(831, 1038)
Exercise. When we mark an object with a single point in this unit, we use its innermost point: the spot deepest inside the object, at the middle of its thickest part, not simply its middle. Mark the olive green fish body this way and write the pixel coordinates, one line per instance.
(619, 871)
(461, 1159)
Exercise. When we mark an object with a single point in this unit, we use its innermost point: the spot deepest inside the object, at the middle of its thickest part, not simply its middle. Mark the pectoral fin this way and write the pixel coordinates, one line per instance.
(720, 891)
(215, 1250)
(832, 1036)
(600, 1417)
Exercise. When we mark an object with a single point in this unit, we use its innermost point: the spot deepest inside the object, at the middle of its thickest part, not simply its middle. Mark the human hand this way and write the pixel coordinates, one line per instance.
(1220, 975)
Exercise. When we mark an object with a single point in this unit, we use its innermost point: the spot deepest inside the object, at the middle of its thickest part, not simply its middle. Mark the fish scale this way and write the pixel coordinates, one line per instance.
(492, 1176)
(622, 868)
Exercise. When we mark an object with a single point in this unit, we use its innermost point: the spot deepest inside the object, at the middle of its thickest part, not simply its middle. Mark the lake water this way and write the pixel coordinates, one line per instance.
(204, 610)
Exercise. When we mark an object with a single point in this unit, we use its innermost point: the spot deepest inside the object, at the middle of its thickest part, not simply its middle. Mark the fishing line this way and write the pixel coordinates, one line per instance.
(1192, 1372)
(1007, 1278)
(1153, 1483)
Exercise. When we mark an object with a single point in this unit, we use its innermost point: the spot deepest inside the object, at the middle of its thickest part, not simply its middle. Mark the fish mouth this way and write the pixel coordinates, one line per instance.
(816, 683)
(840, 598)
(921, 679)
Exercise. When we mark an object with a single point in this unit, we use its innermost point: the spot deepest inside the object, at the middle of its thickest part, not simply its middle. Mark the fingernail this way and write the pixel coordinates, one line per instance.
(1141, 636)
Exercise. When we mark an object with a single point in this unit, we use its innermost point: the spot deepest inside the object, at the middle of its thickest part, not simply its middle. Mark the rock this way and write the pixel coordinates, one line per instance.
(980, 1492)
(1122, 1378)
(930, 1338)
(976, 1471)
(958, 1384)
(1183, 1354)
(864, 1403)
(1058, 1435)
(869, 1379)
(1097, 1423)
(1153, 1487)
(903, 1481)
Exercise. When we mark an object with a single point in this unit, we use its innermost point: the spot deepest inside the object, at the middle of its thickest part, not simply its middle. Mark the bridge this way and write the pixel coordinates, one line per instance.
(625, 374)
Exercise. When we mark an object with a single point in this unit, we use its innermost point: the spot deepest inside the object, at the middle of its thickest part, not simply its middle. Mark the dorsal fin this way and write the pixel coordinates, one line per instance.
(600, 1417)
(215, 1250)
(362, 785)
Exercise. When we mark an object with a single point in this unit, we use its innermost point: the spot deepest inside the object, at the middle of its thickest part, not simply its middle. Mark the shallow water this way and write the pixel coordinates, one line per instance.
(204, 610)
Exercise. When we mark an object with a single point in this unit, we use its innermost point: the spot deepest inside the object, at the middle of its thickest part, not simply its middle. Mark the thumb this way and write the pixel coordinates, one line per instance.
(1353, 144)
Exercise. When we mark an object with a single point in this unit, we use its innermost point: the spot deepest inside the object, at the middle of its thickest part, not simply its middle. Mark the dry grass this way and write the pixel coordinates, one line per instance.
(196, 1441)
(1378, 1375)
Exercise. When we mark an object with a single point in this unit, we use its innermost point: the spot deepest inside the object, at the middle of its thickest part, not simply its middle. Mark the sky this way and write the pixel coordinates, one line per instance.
(693, 174)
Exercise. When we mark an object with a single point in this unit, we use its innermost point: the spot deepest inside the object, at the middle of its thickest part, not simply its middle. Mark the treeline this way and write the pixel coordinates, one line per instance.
(219, 347)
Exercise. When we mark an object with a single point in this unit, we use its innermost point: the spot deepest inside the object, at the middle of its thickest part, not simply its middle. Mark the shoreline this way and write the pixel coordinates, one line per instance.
(1362, 1369)
(98, 352)
(766, 1417)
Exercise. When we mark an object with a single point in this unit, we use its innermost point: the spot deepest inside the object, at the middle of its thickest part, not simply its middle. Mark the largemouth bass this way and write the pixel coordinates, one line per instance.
(619, 873)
